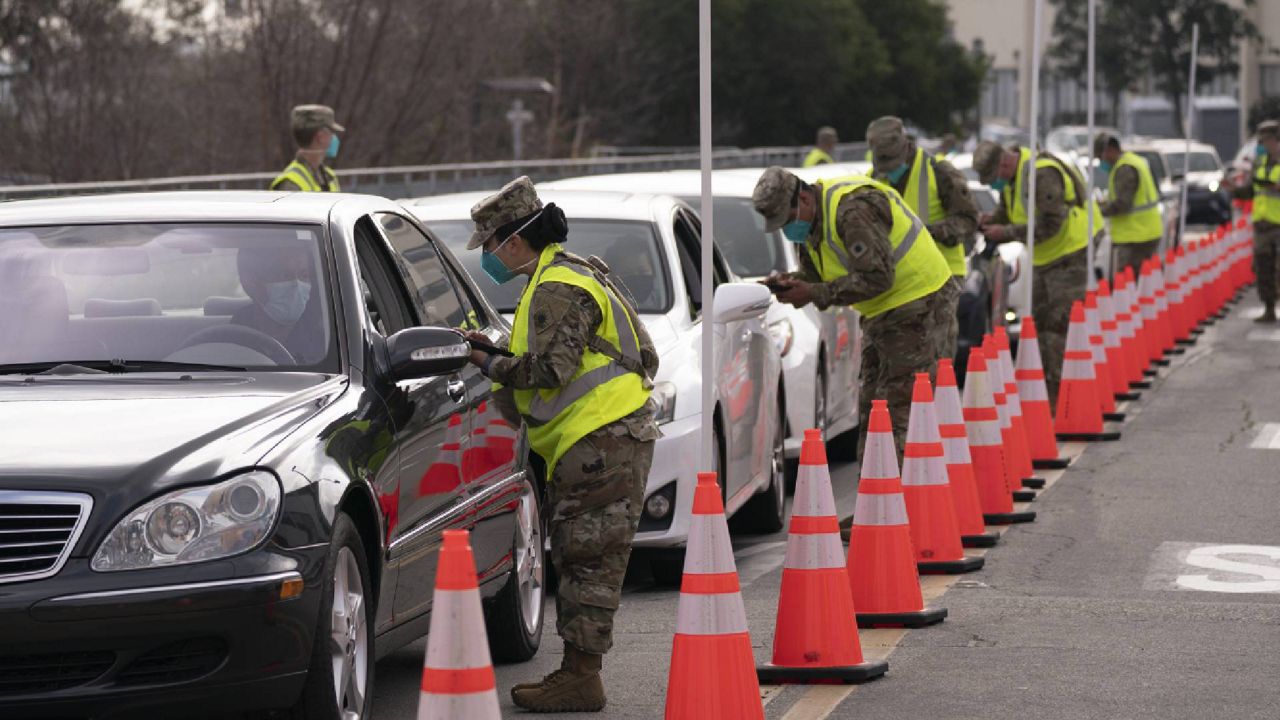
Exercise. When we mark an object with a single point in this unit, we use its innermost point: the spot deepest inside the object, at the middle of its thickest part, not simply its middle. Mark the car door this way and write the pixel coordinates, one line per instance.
(434, 421)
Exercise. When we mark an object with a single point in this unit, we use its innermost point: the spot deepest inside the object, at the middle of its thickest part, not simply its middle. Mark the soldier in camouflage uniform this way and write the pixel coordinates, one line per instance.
(1057, 284)
(1120, 201)
(315, 132)
(900, 342)
(597, 485)
(1266, 225)
(894, 157)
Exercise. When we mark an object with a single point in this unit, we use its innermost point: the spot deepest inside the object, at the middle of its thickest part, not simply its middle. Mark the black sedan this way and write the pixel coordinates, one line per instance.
(235, 426)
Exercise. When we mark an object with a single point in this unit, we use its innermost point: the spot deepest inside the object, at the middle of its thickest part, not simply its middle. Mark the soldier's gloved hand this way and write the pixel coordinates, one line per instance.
(799, 294)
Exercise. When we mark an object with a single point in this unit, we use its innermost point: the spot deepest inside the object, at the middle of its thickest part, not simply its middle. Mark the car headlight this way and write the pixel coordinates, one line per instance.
(783, 335)
(1213, 186)
(664, 394)
(194, 524)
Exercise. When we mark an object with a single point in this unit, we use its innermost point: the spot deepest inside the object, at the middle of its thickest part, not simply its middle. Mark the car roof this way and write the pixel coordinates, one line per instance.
(1172, 145)
(184, 206)
(587, 204)
(684, 183)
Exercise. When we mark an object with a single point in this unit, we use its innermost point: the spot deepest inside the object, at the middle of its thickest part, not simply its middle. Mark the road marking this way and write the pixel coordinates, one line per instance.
(1263, 335)
(1268, 437)
(1233, 568)
(819, 701)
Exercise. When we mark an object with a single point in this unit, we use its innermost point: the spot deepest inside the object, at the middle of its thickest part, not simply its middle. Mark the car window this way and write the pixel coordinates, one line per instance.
(437, 298)
(385, 299)
(689, 233)
(630, 248)
(238, 294)
(1200, 162)
(1155, 162)
(741, 237)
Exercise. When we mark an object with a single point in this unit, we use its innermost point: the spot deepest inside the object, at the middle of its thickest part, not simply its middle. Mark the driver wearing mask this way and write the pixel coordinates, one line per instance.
(280, 284)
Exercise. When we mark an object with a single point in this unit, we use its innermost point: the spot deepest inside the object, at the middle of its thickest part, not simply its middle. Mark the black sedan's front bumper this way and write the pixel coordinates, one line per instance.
(1207, 207)
(155, 644)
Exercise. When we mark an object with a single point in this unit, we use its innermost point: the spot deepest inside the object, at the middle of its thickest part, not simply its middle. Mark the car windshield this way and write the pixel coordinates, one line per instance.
(750, 251)
(629, 248)
(240, 296)
(1200, 162)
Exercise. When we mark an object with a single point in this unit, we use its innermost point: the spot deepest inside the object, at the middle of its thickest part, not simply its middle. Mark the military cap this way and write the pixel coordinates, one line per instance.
(515, 200)
(888, 140)
(314, 117)
(1101, 141)
(773, 196)
(826, 132)
(1268, 128)
(986, 160)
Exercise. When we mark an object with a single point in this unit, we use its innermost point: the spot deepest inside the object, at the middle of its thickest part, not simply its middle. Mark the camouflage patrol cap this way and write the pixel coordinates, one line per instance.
(314, 117)
(515, 200)
(1268, 129)
(888, 140)
(986, 160)
(773, 196)
(1101, 141)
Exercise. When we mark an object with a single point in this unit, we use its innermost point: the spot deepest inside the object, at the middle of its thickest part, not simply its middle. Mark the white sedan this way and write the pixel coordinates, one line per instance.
(821, 350)
(652, 243)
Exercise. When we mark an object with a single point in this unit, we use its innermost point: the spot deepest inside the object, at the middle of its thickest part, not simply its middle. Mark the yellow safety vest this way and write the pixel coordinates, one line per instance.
(922, 197)
(603, 389)
(1266, 201)
(919, 268)
(1074, 233)
(817, 156)
(1142, 223)
(299, 174)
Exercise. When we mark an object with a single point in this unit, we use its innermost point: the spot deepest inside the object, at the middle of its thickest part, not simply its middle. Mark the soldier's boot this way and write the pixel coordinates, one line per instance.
(575, 687)
(1268, 314)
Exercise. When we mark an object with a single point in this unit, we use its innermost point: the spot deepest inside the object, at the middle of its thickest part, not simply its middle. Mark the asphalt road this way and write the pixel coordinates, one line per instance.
(1119, 602)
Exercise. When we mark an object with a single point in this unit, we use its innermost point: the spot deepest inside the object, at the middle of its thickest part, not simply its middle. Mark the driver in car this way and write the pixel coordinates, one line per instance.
(279, 282)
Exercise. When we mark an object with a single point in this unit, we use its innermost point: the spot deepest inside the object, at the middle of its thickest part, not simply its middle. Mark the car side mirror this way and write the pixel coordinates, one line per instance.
(421, 352)
(741, 301)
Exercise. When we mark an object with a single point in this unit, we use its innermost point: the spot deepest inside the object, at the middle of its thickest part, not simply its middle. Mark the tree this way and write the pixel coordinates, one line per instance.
(1120, 63)
(1267, 108)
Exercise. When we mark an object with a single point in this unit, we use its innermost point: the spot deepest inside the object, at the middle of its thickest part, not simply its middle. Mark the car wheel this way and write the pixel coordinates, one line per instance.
(667, 566)
(766, 512)
(340, 679)
(515, 621)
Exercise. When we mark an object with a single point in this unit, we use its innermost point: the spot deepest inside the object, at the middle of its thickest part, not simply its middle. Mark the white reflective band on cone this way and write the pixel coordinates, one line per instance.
(710, 550)
(977, 391)
(881, 461)
(461, 620)
(956, 451)
(1033, 391)
(813, 496)
(983, 433)
(880, 509)
(917, 472)
(815, 552)
(721, 614)
(947, 404)
(1077, 370)
(473, 706)
(922, 425)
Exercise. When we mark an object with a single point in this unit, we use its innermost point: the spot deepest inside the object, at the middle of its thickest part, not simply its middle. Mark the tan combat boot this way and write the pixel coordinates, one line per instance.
(575, 687)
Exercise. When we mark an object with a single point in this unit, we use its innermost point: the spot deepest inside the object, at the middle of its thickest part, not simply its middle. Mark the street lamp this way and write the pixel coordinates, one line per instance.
(518, 115)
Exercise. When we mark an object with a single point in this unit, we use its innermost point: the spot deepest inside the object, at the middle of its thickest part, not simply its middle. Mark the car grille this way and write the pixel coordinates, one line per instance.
(47, 672)
(38, 531)
(176, 662)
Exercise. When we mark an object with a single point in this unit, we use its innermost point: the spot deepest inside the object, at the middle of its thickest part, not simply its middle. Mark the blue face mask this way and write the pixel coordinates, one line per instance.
(1260, 150)
(999, 184)
(896, 174)
(493, 266)
(332, 151)
(287, 300)
(797, 231)
(1105, 166)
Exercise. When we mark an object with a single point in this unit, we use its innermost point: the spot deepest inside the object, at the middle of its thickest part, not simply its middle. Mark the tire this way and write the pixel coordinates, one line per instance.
(515, 618)
(766, 512)
(667, 566)
(347, 565)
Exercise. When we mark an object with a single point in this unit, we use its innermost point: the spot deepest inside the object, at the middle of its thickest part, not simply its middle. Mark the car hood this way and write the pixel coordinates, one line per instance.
(84, 432)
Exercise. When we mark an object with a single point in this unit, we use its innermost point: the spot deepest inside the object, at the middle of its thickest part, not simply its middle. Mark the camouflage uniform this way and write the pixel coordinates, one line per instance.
(1055, 286)
(597, 493)
(899, 343)
(1266, 245)
(301, 175)
(1121, 201)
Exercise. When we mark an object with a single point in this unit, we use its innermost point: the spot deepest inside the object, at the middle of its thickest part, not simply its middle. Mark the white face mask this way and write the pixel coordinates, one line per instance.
(287, 300)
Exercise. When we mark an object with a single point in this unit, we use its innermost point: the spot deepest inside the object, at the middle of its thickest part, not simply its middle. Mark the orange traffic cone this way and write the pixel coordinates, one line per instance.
(955, 446)
(935, 534)
(1151, 317)
(1079, 415)
(995, 375)
(457, 674)
(1098, 348)
(1112, 345)
(1013, 396)
(882, 568)
(1134, 342)
(1036, 413)
(982, 423)
(445, 474)
(1164, 308)
(816, 635)
(712, 673)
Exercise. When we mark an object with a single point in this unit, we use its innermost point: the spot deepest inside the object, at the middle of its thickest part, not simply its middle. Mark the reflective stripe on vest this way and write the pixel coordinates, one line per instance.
(927, 205)
(1142, 223)
(817, 156)
(1266, 200)
(299, 174)
(1074, 233)
(919, 268)
(602, 390)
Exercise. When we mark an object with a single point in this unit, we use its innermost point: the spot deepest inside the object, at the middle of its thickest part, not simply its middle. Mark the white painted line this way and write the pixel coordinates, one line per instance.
(1234, 569)
(1263, 335)
(1268, 437)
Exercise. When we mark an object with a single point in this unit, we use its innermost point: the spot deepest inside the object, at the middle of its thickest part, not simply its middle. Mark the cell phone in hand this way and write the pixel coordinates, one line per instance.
(776, 287)
(491, 349)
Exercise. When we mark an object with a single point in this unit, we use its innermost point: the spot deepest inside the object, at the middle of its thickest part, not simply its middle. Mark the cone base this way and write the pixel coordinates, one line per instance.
(1024, 496)
(951, 567)
(1141, 384)
(985, 540)
(1128, 396)
(1196, 332)
(1162, 362)
(1009, 518)
(1150, 372)
(1035, 483)
(1113, 417)
(1175, 351)
(1186, 341)
(1105, 435)
(1057, 463)
(918, 619)
(845, 674)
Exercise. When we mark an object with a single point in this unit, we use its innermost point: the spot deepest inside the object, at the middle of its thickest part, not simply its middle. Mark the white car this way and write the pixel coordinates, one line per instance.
(821, 350)
(652, 243)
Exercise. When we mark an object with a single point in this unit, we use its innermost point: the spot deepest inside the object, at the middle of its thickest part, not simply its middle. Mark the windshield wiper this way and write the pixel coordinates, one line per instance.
(94, 367)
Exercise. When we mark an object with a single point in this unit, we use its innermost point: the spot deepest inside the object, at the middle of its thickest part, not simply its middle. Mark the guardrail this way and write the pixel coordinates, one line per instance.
(419, 180)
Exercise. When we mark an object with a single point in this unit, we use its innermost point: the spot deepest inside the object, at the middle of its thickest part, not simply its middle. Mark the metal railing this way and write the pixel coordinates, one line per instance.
(420, 180)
